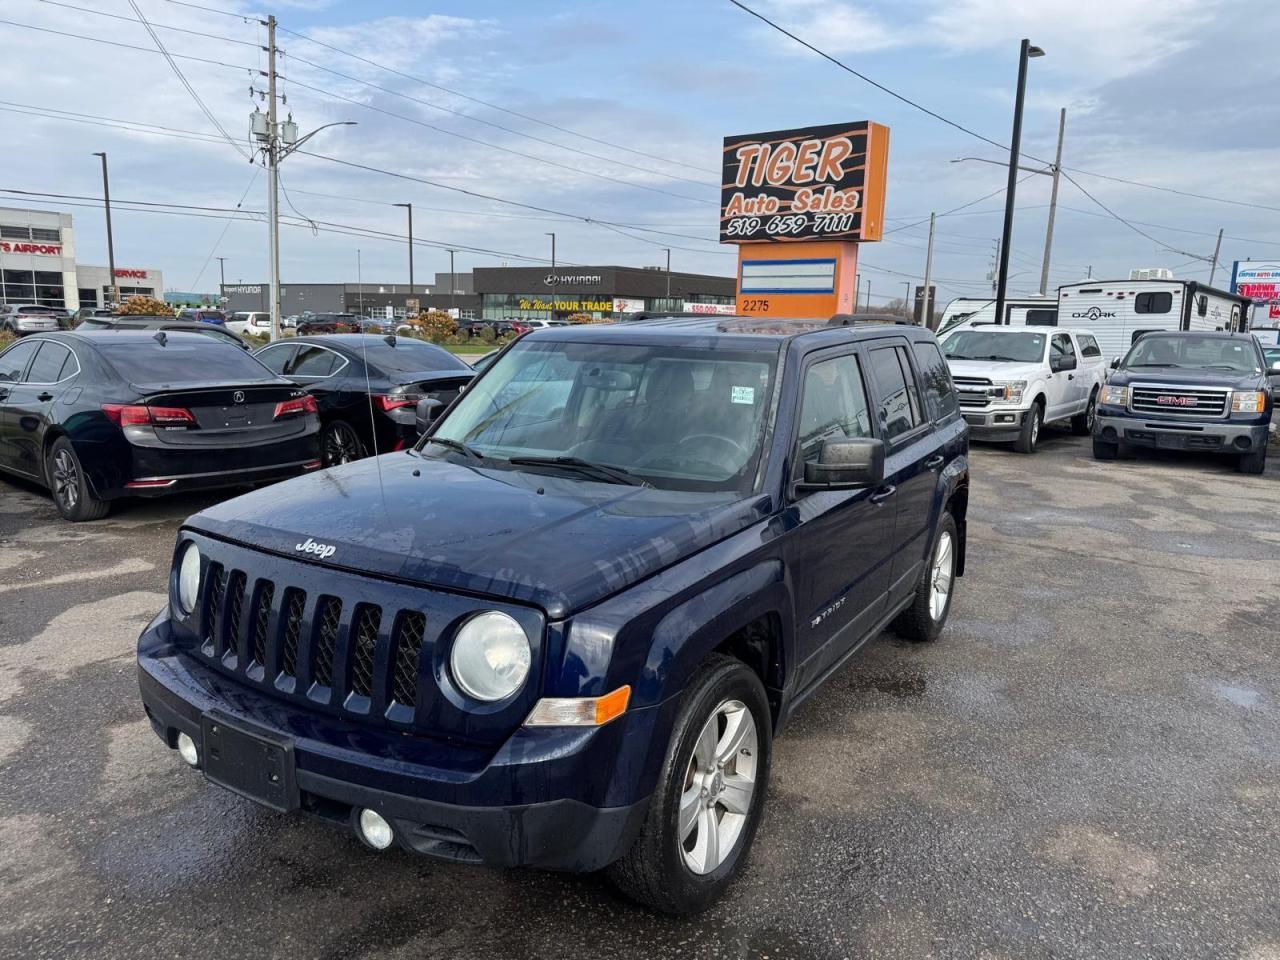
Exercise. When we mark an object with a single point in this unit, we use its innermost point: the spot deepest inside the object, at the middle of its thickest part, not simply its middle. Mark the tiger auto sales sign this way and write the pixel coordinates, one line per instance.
(814, 183)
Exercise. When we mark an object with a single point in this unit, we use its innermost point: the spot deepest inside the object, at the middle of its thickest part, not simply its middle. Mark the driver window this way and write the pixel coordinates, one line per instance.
(1062, 347)
(834, 404)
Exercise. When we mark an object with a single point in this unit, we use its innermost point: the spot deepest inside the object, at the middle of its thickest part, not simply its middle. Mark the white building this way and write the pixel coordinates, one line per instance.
(38, 265)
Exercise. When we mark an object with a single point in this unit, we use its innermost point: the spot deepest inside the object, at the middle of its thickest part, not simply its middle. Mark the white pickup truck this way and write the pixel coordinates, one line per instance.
(1011, 381)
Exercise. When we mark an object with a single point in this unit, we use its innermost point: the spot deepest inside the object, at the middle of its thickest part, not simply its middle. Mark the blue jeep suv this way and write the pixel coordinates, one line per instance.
(564, 629)
(1189, 391)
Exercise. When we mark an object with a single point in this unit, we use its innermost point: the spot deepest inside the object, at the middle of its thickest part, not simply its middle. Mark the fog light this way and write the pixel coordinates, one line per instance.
(375, 831)
(187, 750)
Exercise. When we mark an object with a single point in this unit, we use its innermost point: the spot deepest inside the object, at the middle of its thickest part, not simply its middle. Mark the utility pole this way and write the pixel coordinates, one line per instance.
(668, 249)
(111, 250)
(1217, 249)
(1053, 203)
(222, 274)
(273, 182)
(926, 307)
(453, 284)
(553, 275)
(868, 293)
(409, 207)
(857, 290)
(1015, 144)
(1090, 276)
(359, 285)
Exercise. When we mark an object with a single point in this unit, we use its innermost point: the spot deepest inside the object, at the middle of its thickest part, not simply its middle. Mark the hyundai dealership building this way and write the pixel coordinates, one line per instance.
(38, 265)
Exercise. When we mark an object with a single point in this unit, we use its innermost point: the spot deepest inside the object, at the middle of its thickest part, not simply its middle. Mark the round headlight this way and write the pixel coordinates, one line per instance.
(189, 578)
(490, 657)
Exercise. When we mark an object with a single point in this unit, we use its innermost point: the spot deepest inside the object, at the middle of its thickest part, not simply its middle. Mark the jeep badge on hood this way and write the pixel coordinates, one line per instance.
(322, 550)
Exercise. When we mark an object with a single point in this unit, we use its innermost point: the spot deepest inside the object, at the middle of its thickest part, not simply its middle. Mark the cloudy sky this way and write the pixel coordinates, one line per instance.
(616, 110)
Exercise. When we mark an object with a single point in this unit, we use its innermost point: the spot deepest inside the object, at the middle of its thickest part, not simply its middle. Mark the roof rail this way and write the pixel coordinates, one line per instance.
(848, 319)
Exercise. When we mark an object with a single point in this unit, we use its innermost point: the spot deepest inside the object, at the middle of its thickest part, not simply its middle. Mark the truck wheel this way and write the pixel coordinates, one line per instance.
(68, 485)
(1254, 462)
(1082, 423)
(927, 615)
(1102, 450)
(1029, 438)
(703, 815)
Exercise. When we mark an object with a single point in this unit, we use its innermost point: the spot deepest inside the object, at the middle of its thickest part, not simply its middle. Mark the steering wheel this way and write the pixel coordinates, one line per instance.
(738, 452)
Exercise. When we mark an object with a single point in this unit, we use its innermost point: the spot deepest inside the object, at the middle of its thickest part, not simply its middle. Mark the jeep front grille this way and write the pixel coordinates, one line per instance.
(408, 642)
(364, 648)
(1183, 401)
(294, 605)
(261, 619)
(326, 640)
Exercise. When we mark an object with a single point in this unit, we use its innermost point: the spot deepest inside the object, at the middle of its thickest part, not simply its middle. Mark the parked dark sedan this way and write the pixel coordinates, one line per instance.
(367, 387)
(99, 415)
(319, 323)
(168, 324)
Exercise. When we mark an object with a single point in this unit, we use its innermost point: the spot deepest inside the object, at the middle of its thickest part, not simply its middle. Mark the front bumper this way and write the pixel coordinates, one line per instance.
(448, 802)
(994, 423)
(1115, 425)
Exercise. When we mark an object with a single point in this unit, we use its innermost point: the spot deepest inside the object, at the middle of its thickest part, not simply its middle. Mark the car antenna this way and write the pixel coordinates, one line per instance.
(160, 338)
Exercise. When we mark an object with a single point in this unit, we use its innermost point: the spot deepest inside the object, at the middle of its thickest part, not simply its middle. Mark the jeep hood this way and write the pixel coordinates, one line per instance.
(558, 542)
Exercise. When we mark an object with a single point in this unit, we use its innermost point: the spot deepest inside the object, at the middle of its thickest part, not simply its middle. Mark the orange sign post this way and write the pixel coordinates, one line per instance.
(798, 203)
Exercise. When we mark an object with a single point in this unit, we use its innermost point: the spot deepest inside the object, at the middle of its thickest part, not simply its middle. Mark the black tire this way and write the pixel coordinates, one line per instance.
(1082, 423)
(1105, 450)
(67, 483)
(339, 443)
(654, 872)
(919, 623)
(1029, 438)
(1254, 462)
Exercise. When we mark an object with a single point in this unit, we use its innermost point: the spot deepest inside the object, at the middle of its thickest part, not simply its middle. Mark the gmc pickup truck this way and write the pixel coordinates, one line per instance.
(564, 629)
(1014, 380)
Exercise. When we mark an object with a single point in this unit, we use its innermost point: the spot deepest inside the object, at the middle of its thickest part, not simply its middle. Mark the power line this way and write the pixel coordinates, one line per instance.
(186, 83)
(158, 26)
(494, 146)
(195, 285)
(1135, 229)
(491, 105)
(225, 13)
(107, 122)
(1181, 193)
(127, 46)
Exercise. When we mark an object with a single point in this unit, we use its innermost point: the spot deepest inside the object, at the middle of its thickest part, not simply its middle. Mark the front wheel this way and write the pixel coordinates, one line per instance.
(340, 444)
(703, 816)
(1029, 438)
(1254, 462)
(927, 615)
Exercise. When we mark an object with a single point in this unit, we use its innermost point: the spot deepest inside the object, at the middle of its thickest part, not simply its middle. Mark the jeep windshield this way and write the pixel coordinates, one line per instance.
(1233, 354)
(997, 347)
(671, 417)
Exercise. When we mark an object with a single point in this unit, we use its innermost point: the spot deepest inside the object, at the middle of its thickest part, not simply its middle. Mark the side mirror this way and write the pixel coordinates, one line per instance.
(1058, 364)
(1275, 367)
(1115, 363)
(844, 464)
(428, 410)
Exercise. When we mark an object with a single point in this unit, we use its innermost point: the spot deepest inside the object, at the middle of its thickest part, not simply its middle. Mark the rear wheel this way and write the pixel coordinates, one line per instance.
(927, 615)
(68, 485)
(703, 816)
(1082, 423)
(1029, 438)
(340, 444)
(1254, 462)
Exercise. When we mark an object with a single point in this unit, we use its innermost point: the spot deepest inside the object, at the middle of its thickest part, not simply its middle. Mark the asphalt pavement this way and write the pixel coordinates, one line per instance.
(1086, 764)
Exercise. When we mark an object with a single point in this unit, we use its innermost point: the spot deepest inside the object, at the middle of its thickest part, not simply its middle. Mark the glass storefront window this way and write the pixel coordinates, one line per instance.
(25, 286)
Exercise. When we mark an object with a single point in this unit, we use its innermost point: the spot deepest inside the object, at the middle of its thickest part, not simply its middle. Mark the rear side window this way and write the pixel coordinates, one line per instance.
(313, 361)
(275, 358)
(14, 360)
(938, 389)
(50, 363)
(1089, 346)
(834, 404)
(897, 405)
(183, 358)
(1153, 302)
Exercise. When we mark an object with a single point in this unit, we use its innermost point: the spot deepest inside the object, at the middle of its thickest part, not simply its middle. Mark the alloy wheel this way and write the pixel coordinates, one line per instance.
(940, 577)
(340, 446)
(719, 787)
(1035, 428)
(66, 479)
(1091, 413)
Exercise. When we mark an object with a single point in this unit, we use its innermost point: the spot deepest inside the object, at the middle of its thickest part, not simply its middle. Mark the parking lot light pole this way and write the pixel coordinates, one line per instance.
(111, 250)
(1026, 52)
(409, 207)
(668, 249)
(553, 275)
(453, 285)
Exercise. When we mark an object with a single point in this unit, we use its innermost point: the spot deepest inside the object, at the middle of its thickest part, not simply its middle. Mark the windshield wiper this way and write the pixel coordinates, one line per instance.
(995, 357)
(1154, 364)
(456, 445)
(598, 470)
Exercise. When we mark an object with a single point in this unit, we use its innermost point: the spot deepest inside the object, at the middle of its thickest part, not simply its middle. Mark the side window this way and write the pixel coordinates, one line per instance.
(1161, 302)
(896, 403)
(49, 362)
(14, 360)
(938, 388)
(1089, 347)
(1202, 305)
(834, 404)
(276, 358)
(1061, 347)
(313, 361)
(1042, 318)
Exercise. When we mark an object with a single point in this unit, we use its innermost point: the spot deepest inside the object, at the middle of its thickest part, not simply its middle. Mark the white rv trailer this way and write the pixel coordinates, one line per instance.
(1117, 312)
(1018, 311)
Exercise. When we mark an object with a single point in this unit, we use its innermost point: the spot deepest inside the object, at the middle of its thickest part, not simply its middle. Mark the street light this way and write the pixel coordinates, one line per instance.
(1026, 52)
(553, 274)
(409, 207)
(111, 252)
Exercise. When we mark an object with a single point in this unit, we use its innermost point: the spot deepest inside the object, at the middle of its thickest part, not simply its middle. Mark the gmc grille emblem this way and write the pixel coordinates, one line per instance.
(1176, 401)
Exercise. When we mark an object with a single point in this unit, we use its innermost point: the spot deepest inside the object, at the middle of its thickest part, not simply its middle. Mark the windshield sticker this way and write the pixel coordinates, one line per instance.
(743, 395)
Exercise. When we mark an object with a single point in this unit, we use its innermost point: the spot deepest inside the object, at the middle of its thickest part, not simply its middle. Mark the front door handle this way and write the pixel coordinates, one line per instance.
(1071, 376)
(934, 461)
(883, 494)
(46, 396)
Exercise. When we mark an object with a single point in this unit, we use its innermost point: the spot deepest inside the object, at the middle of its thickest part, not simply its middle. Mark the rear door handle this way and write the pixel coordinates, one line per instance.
(45, 396)
(4, 394)
(934, 461)
(883, 494)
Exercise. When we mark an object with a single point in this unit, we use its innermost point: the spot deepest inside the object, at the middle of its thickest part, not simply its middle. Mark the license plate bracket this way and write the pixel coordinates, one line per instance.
(254, 763)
